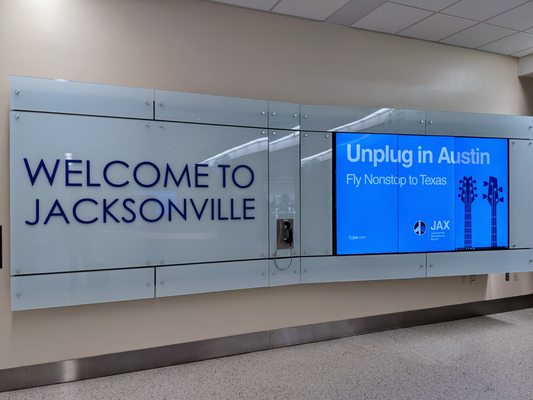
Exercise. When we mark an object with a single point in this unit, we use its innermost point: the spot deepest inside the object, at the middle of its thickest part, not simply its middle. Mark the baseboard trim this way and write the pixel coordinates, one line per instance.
(137, 360)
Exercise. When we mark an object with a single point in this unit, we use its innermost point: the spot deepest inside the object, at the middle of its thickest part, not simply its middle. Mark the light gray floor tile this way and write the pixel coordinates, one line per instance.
(479, 358)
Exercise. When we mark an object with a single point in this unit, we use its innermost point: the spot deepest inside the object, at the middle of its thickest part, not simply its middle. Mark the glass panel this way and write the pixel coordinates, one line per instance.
(215, 277)
(131, 193)
(521, 193)
(284, 198)
(316, 186)
(351, 119)
(57, 290)
(61, 96)
(207, 109)
(283, 115)
(363, 268)
(472, 124)
(284, 271)
(479, 262)
(284, 185)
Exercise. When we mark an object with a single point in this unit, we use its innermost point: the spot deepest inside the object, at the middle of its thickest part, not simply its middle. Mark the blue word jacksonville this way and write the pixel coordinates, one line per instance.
(120, 174)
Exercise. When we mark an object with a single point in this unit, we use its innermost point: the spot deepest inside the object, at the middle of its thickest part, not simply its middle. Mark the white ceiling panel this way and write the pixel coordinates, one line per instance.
(524, 53)
(353, 11)
(437, 27)
(480, 10)
(432, 5)
(313, 9)
(391, 18)
(498, 26)
(519, 18)
(478, 35)
(511, 44)
(264, 5)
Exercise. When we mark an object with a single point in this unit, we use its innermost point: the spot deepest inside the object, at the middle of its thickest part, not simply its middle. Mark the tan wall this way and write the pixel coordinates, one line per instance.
(527, 85)
(209, 48)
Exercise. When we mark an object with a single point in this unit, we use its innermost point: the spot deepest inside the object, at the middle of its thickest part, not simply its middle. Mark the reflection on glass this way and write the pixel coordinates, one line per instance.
(319, 157)
(376, 118)
(252, 147)
(284, 142)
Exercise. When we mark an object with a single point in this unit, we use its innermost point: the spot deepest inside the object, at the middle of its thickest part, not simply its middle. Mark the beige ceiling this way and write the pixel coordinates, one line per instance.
(498, 26)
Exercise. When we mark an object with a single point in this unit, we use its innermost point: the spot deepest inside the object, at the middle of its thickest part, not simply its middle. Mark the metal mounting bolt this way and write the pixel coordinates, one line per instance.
(162, 126)
(263, 133)
(161, 104)
(421, 121)
(18, 92)
(306, 116)
(17, 116)
(273, 133)
(148, 102)
(17, 271)
(273, 113)
(306, 134)
(295, 115)
(431, 122)
(263, 112)
(147, 125)
(430, 265)
(327, 135)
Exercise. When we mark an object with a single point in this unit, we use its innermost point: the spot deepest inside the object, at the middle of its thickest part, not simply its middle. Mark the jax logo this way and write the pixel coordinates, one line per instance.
(419, 228)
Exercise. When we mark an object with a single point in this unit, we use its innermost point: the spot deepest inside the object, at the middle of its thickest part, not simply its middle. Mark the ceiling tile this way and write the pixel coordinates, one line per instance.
(519, 18)
(264, 5)
(480, 10)
(391, 18)
(437, 27)
(478, 35)
(313, 9)
(510, 44)
(432, 5)
(353, 11)
(524, 53)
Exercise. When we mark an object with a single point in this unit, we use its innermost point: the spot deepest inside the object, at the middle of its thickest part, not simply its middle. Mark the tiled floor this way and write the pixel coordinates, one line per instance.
(480, 358)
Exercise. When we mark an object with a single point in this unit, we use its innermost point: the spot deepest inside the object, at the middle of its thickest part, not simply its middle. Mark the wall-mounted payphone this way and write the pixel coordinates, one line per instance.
(284, 229)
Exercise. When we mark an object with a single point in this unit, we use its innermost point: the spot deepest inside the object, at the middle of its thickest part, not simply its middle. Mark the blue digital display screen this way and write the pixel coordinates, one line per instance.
(411, 193)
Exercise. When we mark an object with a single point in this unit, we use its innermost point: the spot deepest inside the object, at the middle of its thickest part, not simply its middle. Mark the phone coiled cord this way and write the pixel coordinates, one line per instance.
(276, 256)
